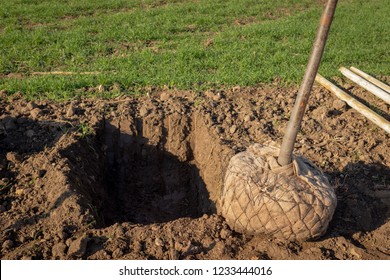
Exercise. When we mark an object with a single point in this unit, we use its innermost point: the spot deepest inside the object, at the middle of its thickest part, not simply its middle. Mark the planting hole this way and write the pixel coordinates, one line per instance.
(151, 170)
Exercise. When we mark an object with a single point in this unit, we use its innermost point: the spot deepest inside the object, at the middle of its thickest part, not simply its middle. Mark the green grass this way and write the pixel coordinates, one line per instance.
(180, 43)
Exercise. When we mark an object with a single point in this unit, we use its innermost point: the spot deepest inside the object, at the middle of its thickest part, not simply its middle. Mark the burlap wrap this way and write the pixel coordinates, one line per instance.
(293, 202)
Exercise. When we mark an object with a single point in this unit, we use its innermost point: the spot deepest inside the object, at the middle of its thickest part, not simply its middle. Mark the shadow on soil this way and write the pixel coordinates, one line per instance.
(25, 136)
(136, 182)
(22, 137)
(146, 184)
(363, 192)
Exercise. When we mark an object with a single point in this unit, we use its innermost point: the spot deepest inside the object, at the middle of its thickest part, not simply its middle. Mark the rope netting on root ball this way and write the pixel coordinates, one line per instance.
(291, 202)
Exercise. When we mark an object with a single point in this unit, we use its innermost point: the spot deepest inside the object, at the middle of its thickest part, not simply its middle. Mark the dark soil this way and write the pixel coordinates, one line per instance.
(139, 178)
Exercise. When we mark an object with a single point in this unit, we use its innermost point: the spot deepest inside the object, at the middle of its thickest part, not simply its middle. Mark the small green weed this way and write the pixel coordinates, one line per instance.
(85, 130)
(4, 188)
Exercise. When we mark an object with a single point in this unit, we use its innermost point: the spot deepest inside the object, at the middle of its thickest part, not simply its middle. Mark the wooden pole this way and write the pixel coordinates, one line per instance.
(353, 103)
(294, 125)
(64, 73)
(366, 85)
(370, 78)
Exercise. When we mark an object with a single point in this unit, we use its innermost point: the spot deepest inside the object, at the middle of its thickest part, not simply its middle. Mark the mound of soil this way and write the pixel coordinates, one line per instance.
(139, 178)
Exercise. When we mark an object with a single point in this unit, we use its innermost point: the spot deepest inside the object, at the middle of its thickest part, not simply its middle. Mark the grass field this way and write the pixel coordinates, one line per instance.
(185, 44)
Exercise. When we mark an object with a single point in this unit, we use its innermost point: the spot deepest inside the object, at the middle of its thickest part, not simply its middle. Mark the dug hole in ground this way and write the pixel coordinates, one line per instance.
(139, 178)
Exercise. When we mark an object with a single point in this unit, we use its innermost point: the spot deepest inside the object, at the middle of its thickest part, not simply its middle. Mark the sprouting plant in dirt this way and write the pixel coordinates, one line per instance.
(4, 188)
(85, 130)
(64, 129)
(356, 156)
(37, 234)
(276, 122)
(32, 182)
(198, 99)
(91, 224)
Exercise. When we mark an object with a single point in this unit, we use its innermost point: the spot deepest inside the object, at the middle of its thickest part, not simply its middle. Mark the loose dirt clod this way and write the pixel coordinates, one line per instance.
(78, 247)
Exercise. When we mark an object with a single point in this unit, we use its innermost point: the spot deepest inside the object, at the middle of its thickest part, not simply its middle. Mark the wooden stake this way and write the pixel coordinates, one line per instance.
(371, 79)
(64, 73)
(385, 96)
(353, 103)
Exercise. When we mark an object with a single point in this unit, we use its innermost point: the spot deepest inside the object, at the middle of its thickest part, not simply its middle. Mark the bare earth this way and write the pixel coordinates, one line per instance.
(139, 178)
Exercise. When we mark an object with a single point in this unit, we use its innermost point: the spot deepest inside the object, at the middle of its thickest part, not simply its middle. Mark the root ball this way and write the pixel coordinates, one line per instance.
(293, 202)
